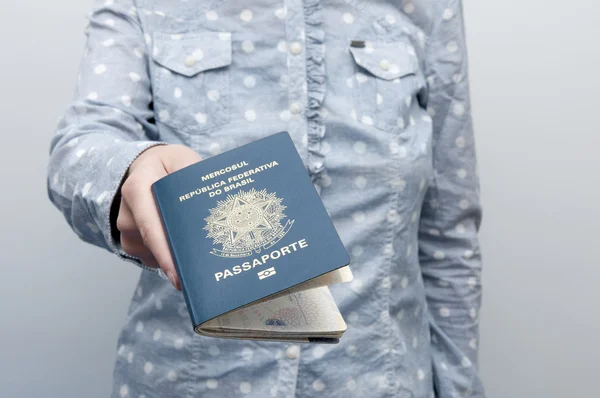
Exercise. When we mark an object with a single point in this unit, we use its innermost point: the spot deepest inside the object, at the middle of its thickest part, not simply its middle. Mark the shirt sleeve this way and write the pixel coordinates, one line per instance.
(449, 251)
(106, 126)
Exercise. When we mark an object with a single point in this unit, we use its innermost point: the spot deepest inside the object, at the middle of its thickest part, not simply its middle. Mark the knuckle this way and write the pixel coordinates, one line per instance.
(130, 186)
(122, 224)
(126, 188)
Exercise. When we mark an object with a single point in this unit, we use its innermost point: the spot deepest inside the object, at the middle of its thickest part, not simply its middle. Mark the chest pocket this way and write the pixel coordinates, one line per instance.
(191, 79)
(386, 80)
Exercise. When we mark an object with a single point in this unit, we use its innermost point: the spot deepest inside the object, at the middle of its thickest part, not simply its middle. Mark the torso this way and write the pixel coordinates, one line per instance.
(355, 114)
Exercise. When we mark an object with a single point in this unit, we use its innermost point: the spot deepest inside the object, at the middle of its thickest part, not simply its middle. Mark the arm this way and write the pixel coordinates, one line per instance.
(448, 244)
(105, 128)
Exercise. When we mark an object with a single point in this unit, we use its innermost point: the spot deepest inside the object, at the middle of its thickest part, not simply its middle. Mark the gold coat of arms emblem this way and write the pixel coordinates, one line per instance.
(246, 222)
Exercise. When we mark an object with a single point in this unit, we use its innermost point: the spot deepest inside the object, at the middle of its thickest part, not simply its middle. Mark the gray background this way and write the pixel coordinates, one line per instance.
(535, 84)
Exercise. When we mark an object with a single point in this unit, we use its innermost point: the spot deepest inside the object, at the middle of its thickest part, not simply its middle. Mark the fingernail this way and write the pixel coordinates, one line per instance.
(172, 278)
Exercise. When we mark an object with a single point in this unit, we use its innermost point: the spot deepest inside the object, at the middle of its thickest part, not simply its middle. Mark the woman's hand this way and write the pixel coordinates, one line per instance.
(142, 233)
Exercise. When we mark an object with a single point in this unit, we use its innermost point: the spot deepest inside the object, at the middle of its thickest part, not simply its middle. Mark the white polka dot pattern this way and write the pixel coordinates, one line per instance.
(394, 166)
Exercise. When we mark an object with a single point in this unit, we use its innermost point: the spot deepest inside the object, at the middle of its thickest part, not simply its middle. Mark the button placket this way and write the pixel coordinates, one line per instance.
(292, 352)
(296, 69)
(295, 108)
(288, 370)
(296, 48)
(297, 127)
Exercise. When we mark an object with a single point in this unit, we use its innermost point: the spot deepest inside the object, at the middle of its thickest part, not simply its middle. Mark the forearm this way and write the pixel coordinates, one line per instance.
(85, 172)
(106, 126)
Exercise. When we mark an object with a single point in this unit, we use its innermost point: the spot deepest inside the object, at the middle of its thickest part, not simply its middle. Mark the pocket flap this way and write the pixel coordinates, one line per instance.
(191, 53)
(386, 60)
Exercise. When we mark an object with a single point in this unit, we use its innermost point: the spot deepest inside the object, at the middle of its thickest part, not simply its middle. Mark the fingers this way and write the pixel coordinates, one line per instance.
(131, 240)
(140, 217)
(137, 195)
(134, 245)
(125, 221)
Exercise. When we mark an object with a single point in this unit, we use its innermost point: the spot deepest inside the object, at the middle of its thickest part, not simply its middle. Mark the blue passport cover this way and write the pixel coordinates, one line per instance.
(245, 224)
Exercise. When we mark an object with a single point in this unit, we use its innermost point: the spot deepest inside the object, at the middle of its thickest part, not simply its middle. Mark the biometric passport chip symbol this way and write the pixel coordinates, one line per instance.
(246, 222)
(266, 273)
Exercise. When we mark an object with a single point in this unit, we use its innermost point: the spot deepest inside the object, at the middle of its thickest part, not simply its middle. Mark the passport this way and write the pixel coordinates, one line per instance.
(253, 245)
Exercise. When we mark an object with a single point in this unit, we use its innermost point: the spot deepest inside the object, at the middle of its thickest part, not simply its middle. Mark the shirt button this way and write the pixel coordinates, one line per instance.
(190, 61)
(292, 352)
(296, 48)
(295, 108)
(385, 64)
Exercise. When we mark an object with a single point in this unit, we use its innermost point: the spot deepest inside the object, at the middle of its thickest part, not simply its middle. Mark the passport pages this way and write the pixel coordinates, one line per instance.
(253, 245)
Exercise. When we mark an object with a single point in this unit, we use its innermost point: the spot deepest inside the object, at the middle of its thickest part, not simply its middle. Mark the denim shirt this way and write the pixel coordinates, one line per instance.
(375, 96)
